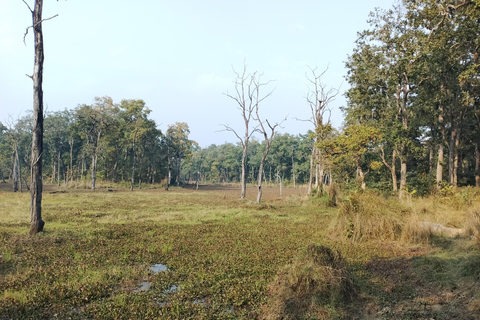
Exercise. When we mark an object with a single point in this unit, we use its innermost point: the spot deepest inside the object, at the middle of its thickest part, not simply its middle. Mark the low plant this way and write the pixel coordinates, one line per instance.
(314, 286)
(364, 216)
(473, 225)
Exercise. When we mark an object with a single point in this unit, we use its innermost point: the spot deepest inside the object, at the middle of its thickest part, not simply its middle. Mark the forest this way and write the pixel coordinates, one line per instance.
(411, 121)
(119, 143)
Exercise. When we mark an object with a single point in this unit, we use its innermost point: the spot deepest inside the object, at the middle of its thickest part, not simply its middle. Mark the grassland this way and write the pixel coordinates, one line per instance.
(224, 254)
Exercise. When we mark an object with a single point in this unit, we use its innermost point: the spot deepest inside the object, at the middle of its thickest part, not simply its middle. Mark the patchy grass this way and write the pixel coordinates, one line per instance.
(222, 254)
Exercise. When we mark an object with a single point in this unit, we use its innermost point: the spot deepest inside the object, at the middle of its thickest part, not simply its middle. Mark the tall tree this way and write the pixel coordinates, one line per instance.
(268, 137)
(94, 121)
(179, 147)
(247, 96)
(318, 98)
(36, 222)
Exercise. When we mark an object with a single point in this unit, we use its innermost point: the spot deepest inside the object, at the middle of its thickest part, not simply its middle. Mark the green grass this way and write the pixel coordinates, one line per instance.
(221, 252)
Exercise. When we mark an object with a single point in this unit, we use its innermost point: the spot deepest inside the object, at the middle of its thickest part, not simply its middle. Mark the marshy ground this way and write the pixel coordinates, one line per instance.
(220, 256)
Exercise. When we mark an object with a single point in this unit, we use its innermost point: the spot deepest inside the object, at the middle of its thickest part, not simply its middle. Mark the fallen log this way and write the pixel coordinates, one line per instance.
(438, 229)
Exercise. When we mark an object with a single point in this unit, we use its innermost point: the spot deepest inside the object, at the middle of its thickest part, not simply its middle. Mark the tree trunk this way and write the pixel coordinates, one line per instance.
(244, 177)
(70, 142)
(94, 160)
(360, 175)
(403, 177)
(451, 155)
(477, 165)
(53, 169)
(456, 158)
(177, 178)
(280, 181)
(58, 171)
(393, 171)
(403, 173)
(293, 169)
(260, 170)
(310, 181)
(36, 222)
(440, 160)
(431, 157)
(133, 164)
(94, 170)
(321, 173)
(169, 168)
(15, 169)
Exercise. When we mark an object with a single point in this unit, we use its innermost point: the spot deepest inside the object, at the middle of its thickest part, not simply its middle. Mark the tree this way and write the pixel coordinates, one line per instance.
(135, 116)
(350, 146)
(56, 127)
(318, 98)
(93, 121)
(247, 88)
(36, 222)
(179, 147)
(268, 141)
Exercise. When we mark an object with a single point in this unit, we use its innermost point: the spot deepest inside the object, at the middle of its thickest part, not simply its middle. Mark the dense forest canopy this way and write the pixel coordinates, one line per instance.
(411, 121)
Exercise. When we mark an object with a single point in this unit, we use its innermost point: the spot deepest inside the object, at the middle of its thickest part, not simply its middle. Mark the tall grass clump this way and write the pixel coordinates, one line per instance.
(315, 286)
(365, 216)
(473, 225)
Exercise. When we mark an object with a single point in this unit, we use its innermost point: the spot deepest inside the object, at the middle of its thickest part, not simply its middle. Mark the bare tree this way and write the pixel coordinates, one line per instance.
(36, 222)
(268, 142)
(247, 96)
(318, 98)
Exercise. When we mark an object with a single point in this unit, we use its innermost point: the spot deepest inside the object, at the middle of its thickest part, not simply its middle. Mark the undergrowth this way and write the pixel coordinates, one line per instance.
(235, 259)
(365, 216)
(315, 286)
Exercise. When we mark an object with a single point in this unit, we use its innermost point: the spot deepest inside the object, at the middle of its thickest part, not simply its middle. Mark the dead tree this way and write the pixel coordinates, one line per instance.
(36, 222)
(268, 141)
(247, 88)
(318, 98)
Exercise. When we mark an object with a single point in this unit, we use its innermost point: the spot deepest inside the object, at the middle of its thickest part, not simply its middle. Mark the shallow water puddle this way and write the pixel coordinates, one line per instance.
(156, 268)
(144, 286)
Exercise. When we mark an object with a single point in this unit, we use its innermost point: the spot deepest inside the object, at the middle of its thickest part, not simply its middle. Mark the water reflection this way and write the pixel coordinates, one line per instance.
(156, 268)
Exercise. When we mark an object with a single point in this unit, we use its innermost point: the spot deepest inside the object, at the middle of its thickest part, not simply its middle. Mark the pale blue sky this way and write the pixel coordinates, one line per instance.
(178, 56)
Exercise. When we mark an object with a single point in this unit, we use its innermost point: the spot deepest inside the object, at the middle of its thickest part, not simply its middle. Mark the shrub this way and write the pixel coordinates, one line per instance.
(312, 287)
(473, 225)
(367, 216)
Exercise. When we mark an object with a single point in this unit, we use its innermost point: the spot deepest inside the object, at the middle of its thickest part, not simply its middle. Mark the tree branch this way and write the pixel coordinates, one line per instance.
(36, 24)
(228, 128)
(28, 6)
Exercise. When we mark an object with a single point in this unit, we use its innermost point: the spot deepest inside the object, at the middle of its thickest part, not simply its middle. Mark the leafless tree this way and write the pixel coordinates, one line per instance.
(268, 141)
(36, 222)
(318, 97)
(247, 96)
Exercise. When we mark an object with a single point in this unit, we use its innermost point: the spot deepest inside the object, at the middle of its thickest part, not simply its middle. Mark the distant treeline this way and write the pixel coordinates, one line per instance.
(412, 121)
(120, 143)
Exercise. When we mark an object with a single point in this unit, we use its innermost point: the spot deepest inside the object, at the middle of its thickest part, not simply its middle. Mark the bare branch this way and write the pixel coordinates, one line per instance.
(228, 128)
(36, 24)
(28, 6)
(319, 97)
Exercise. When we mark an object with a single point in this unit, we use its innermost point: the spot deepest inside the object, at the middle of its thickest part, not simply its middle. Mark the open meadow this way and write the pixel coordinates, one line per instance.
(205, 254)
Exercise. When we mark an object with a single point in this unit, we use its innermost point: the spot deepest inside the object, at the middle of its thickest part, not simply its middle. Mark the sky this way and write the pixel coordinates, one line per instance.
(179, 56)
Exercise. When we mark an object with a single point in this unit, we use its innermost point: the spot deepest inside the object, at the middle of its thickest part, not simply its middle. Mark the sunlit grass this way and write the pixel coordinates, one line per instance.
(97, 249)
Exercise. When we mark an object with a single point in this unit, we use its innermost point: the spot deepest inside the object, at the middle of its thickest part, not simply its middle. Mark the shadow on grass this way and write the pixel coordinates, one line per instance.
(424, 287)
